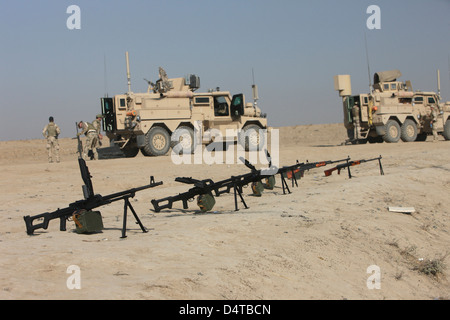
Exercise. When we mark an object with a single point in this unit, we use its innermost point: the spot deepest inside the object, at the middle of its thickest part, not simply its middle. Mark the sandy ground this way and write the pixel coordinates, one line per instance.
(315, 243)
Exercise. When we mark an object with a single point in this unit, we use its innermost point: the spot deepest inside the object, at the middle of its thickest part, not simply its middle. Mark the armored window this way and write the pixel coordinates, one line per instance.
(418, 99)
(202, 100)
(386, 86)
(431, 100)
(220, 107)
(122, 103)
(393, 86)
(366, 100)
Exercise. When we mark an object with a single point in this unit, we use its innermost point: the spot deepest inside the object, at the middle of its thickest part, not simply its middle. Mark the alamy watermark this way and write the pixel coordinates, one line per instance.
(374, 280)
(222, 149)
(374, 21)
(74, 280)
(74, 20)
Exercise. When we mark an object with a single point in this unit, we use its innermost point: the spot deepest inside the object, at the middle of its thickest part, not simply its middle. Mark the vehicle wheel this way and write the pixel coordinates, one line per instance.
(409, 131)
(182, 140)
(251, 138)
(392, 133)
(145, 152)
(446, 132)
(157, 142)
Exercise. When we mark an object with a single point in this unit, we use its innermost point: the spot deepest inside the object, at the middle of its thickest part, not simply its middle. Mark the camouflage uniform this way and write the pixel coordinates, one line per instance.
(97, 123)
(90, 132)
(434, 116)
(51, 132)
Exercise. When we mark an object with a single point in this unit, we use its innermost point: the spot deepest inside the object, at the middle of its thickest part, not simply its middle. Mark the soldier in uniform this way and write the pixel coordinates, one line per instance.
(90, 144)
(51, 132)
(434, 116)
(97, 123)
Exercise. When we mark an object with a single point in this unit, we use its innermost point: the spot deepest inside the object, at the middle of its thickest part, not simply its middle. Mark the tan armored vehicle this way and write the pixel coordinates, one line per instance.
(171, 112)
(392, 111)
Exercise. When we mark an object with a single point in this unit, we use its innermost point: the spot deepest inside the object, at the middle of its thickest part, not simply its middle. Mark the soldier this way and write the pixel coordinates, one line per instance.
(433, 122)
(97, 123)
(90, 144)
(51, 132)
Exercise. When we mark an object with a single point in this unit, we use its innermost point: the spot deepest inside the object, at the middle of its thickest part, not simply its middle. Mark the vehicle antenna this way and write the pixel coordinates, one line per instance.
(368, 64)
(128, 72)
(449, 68)
(104, 74)
(254, 90)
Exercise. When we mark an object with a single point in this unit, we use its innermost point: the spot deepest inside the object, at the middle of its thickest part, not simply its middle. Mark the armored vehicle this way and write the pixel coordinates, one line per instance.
(170, 113)
(392, 111)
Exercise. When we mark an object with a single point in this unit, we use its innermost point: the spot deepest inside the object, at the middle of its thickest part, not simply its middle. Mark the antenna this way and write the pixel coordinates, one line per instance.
(104, 74)
(368, 65)
(439, 84)
(254, 90)
(128, 72)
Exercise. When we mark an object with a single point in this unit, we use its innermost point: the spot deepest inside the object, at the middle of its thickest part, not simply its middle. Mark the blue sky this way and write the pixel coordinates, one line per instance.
(294, 47)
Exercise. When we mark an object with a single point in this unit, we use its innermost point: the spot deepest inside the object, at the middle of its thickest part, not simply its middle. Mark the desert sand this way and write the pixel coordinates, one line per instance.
(315, 243)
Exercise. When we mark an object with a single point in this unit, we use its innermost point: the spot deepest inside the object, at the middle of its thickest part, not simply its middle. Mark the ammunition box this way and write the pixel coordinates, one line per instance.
(269, 183)
(257, 188)
(88, 221)
(206, 202)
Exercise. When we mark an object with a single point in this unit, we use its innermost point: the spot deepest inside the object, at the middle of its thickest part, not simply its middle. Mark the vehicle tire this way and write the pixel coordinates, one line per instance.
(446, 132)
(251, 138)
(392, 134)
(182, 140)
(145, 152)
(157, 142)
(408, 131)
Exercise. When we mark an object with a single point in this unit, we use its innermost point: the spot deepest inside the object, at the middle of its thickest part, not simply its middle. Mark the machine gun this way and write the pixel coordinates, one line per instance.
(207, 189)
(351, 164)
(90, 201)
(296, 171)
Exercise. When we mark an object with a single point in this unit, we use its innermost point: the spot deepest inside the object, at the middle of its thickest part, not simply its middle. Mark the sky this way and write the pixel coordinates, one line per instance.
(293, 47)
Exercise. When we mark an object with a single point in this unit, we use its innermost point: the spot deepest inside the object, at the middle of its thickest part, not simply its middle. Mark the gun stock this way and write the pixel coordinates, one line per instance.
(329, 172)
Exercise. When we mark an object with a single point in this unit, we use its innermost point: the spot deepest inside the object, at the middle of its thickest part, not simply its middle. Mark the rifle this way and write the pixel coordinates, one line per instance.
(297, 170)
(351, 164)
(207, 189)
(90, 201)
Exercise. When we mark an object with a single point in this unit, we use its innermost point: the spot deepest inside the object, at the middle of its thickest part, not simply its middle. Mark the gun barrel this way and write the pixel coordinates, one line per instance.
(127, 193)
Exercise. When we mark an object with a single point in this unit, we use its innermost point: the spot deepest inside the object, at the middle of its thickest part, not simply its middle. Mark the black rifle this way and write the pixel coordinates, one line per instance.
(351, 164)
(211, 188)
(290, 172)
(89, 202)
